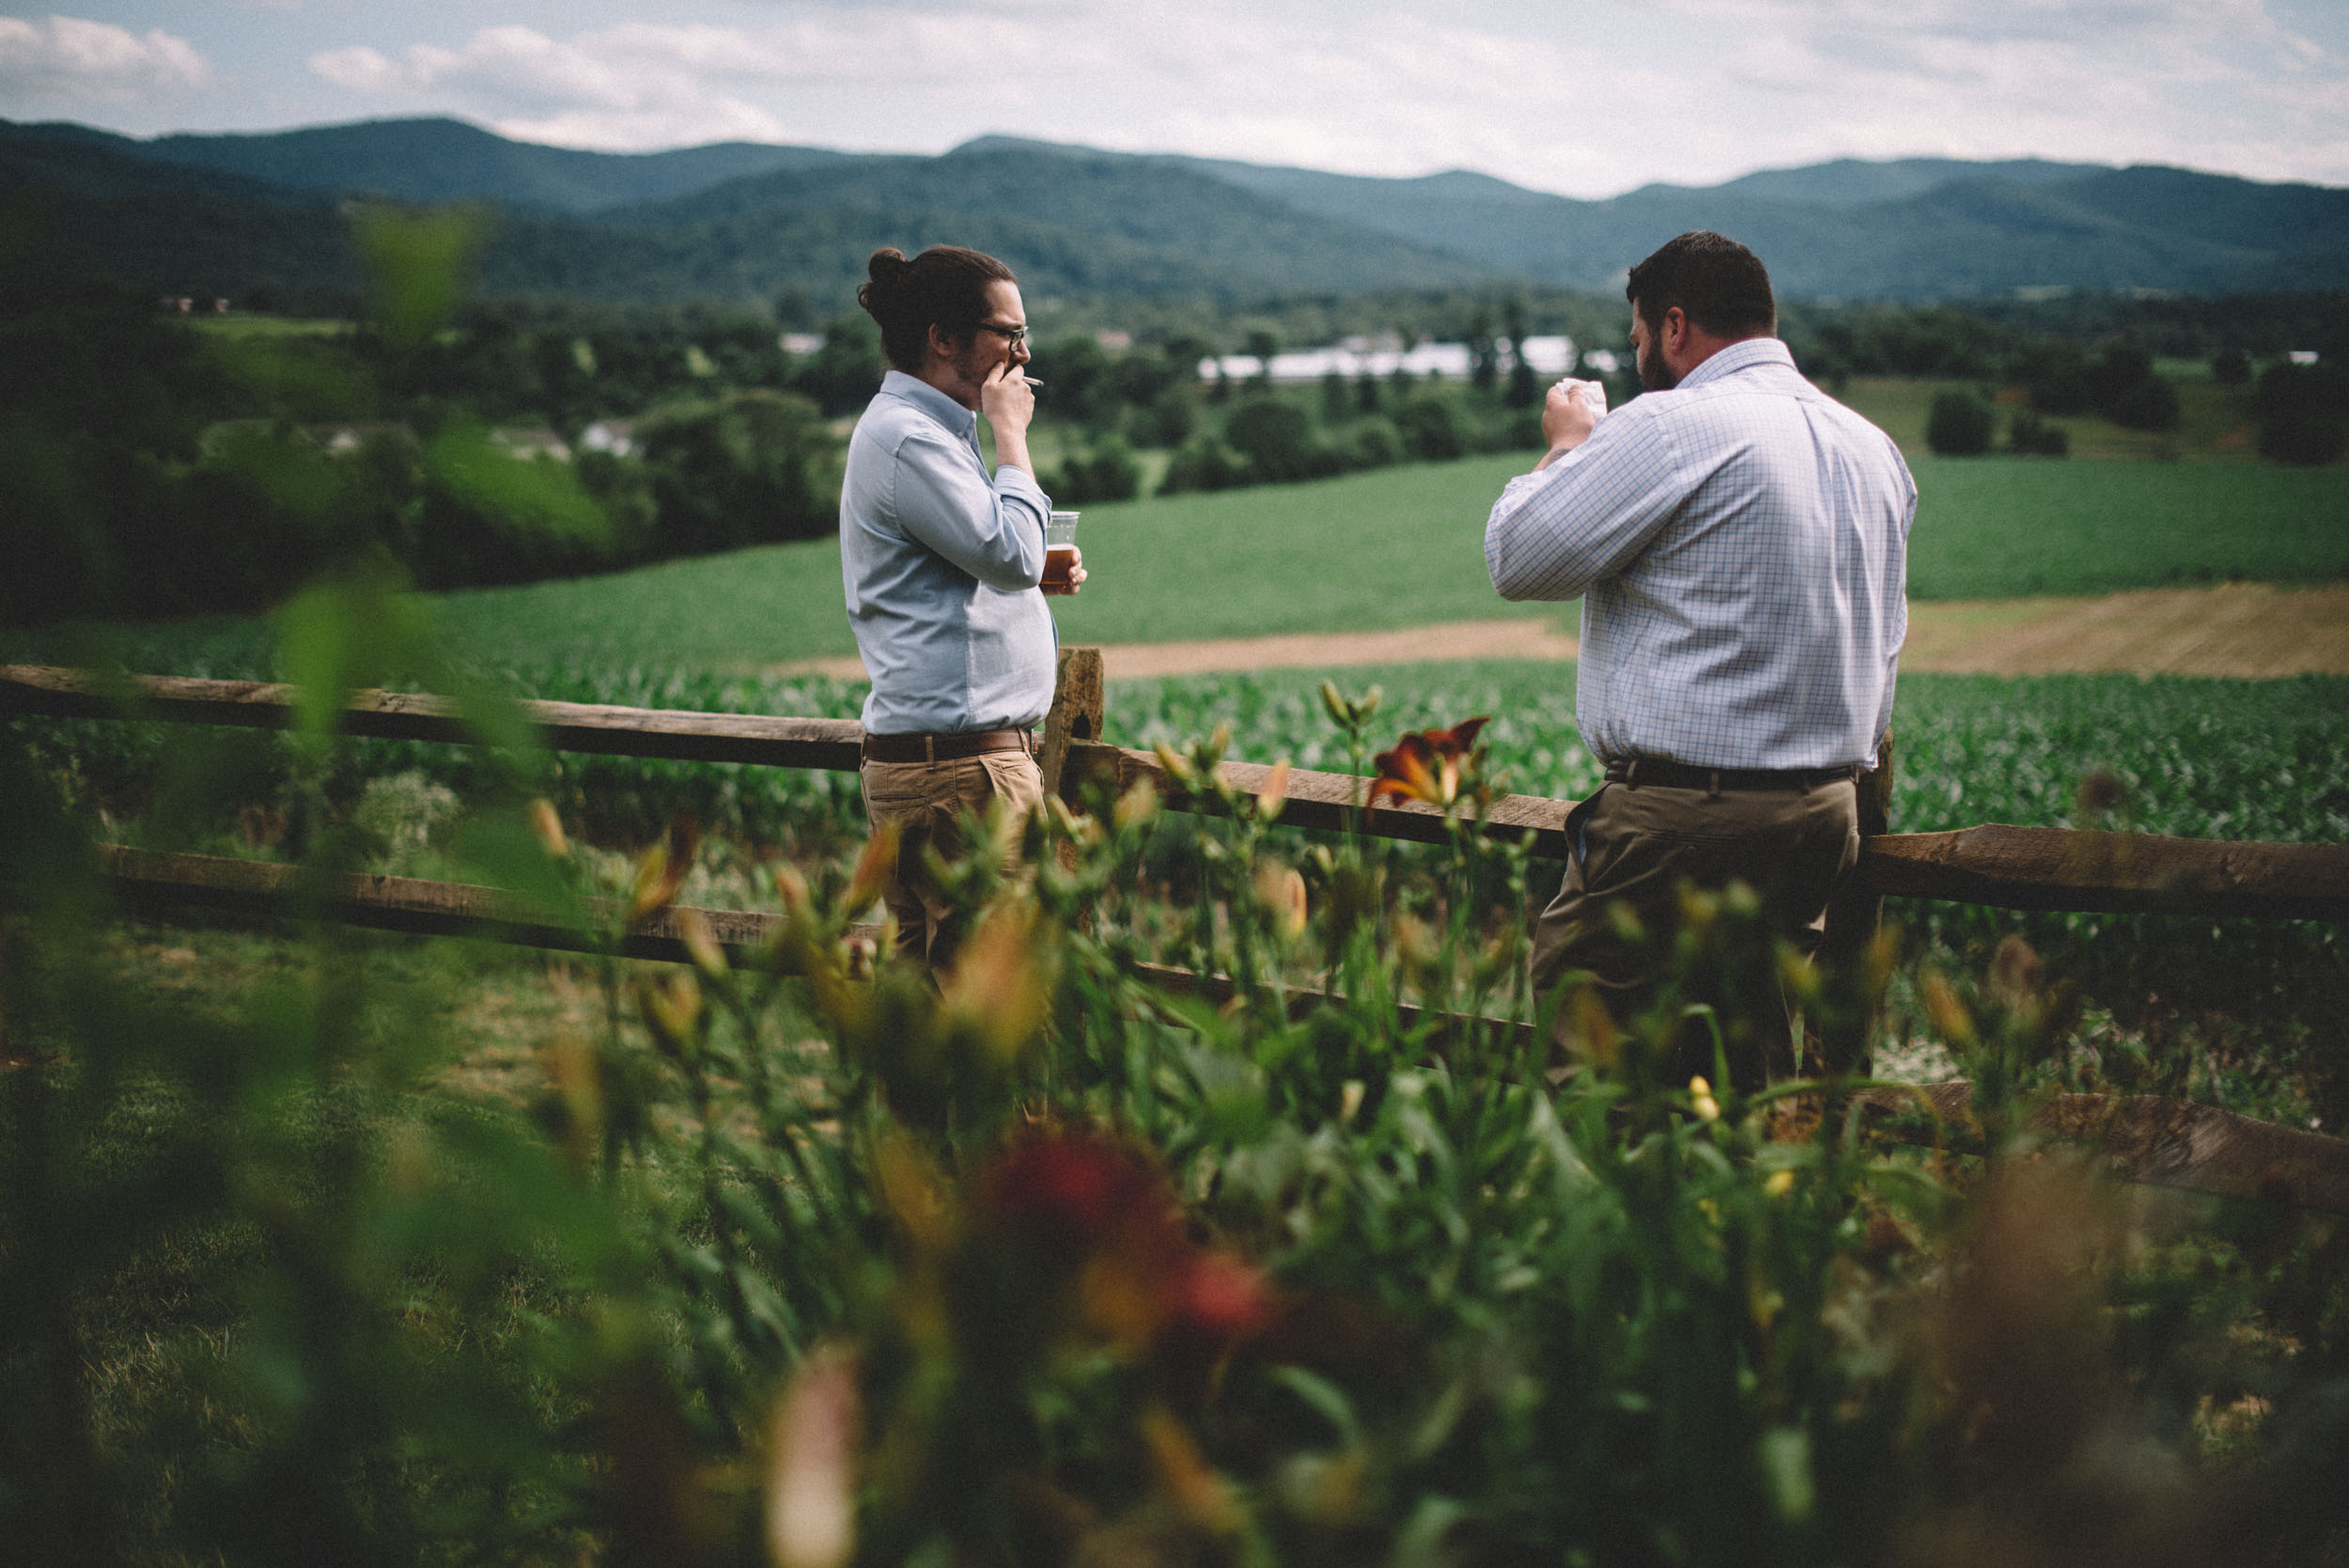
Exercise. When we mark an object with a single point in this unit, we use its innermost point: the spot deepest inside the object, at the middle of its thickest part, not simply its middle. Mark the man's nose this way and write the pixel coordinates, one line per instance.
(1020, 353)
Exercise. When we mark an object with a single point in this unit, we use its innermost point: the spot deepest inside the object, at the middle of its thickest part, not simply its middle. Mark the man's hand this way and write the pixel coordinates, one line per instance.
(1076, 576)
(1569, 414)
(1006, 399)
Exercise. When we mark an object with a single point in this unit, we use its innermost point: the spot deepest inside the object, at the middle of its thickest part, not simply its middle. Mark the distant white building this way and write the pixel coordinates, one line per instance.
(1359, 356)
(616, 436)
(2302, 356)
(800, 344)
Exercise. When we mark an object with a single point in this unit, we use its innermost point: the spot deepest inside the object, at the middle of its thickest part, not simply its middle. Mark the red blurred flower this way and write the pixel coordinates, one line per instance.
(1425, 765)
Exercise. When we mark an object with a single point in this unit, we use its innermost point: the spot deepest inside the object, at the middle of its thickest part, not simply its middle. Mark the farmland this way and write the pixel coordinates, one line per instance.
(1393, 548)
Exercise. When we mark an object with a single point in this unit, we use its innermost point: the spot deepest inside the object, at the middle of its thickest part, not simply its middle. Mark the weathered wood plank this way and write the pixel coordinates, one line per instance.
(154, 882)
(2058, 868)
(1076, 713)
(1325, 800)
(2173, 1143)
(678, 734)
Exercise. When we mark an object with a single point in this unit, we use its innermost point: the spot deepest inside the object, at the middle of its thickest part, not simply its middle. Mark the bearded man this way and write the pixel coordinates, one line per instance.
(1739, 541)
(943, 563)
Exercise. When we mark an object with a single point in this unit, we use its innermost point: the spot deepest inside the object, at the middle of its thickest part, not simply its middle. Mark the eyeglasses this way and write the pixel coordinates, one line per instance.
(1013, 336)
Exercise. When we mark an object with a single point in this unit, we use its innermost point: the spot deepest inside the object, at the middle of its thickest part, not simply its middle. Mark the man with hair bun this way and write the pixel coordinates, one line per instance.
(1739, 542)
(943, 563)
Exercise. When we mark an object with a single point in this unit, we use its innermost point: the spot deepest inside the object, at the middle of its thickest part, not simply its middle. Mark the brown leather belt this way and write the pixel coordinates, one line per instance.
(1636, 772)
(946, 748)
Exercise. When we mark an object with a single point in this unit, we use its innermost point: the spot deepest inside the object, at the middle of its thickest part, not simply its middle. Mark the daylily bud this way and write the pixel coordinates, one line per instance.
(810, 1487)
(1139, 804)
(875, 866)
(1701, 1100)
(1282, 891)
(1949, 1015)
(701, 943)
(1275, 793)
(548, 827)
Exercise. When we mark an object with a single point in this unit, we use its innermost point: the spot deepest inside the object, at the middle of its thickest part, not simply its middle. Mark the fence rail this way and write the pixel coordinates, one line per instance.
(1997, 864)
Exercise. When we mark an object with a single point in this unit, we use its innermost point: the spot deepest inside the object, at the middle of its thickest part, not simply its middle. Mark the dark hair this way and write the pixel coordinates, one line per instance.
(945, 286)
(1719, 284)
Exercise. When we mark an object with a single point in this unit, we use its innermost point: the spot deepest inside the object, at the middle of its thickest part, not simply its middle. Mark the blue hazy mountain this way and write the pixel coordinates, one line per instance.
(204, 214)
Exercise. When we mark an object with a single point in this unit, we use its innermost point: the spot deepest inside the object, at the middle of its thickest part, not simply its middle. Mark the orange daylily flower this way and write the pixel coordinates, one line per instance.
(1425, 765)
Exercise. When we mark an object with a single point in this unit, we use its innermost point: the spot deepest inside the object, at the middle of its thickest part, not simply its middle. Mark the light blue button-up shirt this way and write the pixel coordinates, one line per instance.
(1741, 546)
(940, 562)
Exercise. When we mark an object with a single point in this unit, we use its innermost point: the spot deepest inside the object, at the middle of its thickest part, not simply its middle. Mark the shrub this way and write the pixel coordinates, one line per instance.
(2035, 437)
(1109, 473)
(1275, 437)
(1205, 463)
(748, 467)
(1374, 441)
(1960, 424)
(1431, 429)
(2231, 367)
(2148, 404)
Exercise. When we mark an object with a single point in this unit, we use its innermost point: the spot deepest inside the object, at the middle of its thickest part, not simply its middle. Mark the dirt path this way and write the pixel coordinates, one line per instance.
(2243, 630)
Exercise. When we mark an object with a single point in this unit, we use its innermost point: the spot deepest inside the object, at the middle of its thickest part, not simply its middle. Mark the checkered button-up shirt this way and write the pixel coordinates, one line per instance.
(1741, 546)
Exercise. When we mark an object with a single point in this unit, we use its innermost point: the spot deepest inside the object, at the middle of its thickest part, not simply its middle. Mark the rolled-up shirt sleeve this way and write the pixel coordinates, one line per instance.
(993, 531)
(1587, 516)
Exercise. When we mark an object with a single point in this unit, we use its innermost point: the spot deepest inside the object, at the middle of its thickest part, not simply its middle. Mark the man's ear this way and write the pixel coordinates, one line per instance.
(1675, 333)
(941, 342)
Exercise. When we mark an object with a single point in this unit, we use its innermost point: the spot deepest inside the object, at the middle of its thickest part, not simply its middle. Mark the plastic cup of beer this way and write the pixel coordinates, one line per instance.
(1060, 549)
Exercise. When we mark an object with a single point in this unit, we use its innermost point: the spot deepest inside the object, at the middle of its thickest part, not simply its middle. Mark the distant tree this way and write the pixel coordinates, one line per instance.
(1337, 398)
(2303, 411)
(2231, 367)
(1483, 356)
(844, 373)
(1960, 425)
(1366, 397)
(745, 468)
(1078, 381)
(1262, 346)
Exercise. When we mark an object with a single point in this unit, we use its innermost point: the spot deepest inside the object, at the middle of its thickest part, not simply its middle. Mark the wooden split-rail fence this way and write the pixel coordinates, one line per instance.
(2160, 1141)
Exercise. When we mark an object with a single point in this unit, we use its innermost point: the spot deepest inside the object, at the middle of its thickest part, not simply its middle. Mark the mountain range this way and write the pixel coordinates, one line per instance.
(262, 216)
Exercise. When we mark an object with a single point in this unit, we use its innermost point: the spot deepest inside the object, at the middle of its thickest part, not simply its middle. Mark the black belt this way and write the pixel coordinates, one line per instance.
(1636, 772)
(946, 748)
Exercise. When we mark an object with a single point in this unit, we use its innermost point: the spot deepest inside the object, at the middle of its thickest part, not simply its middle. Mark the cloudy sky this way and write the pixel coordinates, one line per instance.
(1589, 97)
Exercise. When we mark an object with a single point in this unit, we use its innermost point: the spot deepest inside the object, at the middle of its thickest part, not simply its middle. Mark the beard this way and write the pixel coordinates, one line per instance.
(1655, 375)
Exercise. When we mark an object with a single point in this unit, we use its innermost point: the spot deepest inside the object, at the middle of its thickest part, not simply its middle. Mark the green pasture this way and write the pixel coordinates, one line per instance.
(2215, 422)
(1396, 546)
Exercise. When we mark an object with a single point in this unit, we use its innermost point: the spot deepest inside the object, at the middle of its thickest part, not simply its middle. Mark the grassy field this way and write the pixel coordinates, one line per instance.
(1391, 547)
(2213, 422)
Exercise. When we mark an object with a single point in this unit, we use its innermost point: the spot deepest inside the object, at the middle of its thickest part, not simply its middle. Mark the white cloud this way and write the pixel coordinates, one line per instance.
(1624, 91)
(66, 64)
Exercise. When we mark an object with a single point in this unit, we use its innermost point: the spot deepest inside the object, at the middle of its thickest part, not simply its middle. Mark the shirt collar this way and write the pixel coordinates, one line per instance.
(932, 401)
(1743, 355)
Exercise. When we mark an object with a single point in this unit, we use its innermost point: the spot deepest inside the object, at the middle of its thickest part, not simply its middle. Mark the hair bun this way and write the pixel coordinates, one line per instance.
(887, 265)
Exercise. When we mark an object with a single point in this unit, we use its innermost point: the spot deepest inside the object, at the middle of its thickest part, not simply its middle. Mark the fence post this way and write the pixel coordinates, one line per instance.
(1076, 713)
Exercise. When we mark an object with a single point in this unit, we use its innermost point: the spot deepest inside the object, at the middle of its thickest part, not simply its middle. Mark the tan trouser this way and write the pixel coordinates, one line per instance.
(1637, 846)
(926, 800)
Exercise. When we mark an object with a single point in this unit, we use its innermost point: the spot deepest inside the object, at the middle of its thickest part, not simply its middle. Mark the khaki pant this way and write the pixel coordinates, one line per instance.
(926, 800)
(1636, 846)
